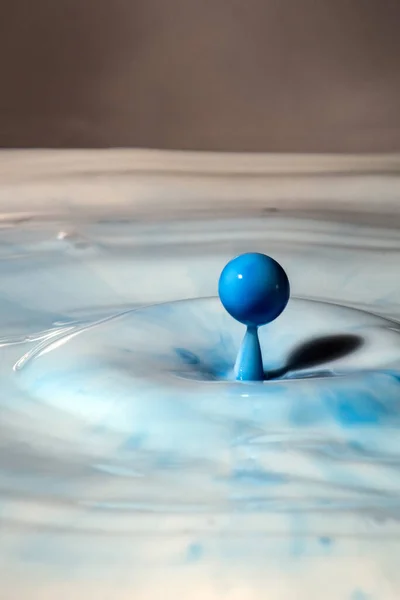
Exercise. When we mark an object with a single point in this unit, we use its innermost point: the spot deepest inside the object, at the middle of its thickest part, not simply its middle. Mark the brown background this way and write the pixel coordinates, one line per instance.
(264, 75)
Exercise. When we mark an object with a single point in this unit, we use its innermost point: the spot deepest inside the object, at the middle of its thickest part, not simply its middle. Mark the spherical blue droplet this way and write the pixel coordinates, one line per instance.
(254, 289)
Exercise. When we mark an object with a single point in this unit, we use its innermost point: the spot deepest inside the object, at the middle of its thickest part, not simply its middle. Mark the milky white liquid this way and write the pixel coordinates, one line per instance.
(127, 473)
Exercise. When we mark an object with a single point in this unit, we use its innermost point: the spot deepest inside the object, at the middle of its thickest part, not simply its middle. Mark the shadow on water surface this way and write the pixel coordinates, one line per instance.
(316, 352)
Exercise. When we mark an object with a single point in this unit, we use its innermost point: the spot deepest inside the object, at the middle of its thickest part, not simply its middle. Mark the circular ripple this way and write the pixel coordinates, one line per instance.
(139, 412)
(158, 364)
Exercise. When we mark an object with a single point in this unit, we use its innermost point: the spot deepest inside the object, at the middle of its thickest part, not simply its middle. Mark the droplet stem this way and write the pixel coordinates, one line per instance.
(249, 364)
